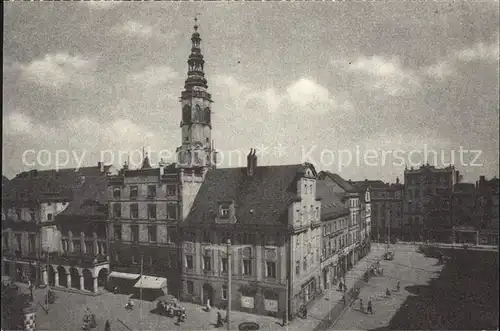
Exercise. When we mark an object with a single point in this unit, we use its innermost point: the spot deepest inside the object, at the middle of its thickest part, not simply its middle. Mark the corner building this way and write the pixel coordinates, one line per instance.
(272, 217)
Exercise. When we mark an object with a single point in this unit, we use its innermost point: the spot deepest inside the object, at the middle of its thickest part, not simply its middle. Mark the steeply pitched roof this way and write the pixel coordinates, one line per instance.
(85, 189)
(340, 182)
(362, 185)
(332, 205)
(263, 198)
(89, 200)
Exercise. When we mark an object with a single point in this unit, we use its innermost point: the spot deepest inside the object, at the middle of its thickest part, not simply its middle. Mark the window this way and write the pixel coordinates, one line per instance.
(33, 215)
(77, 246)
(151, 191)
(206, 236)
(19, 241)
(117, 210)
(223, 292)
(152, 233)
(134, 233)
(31, 242)
(171, 212)
(248, 239)
(224, 211)
(247, 267)
(189, 262)
(117, 258)
(305, 263)
(117, 193)
(297, 267)
(207, 263)
(171, 190)
(134, 211)
(172, 260)
(118, 232)
(225, 236)
(49, 216)
(88, 248)
(133, 192)
(189, 287)
(223, 264)
(152, 211)
(271, 269)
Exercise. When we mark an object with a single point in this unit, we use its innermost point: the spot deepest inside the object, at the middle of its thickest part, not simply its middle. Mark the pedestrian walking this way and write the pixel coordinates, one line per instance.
(107, 326)
(219, 320)
(343, 298)
(284, 319)
(387, 292)
(370, 307)
(398, 286)
(361, 305)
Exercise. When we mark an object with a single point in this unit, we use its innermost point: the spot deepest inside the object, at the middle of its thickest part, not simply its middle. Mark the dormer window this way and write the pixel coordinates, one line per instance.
(224, 211)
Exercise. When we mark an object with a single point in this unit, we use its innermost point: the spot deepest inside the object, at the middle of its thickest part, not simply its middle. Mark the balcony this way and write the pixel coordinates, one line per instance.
(78, 259)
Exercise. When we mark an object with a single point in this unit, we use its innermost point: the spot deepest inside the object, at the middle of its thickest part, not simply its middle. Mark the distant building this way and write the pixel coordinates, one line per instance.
(272, 217)
(488, 209)
(427, 210)
(335, 218)
(357, 236)
(386, 208)
(37, 207)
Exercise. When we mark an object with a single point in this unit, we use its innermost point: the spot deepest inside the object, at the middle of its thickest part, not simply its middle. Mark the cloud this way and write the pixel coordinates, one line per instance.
(58, 70)
(378, 73)
(101, 4)
(152, 76)
(303, 95)
(133, 28)
(440, 70)
(479, 52)
(17, 123)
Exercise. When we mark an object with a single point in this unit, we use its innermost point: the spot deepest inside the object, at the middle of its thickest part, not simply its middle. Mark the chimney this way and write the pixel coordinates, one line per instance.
(100, 165)
(250, 163)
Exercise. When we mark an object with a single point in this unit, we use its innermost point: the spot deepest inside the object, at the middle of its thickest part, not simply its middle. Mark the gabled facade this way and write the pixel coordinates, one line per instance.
(271, 216)
(352, 199)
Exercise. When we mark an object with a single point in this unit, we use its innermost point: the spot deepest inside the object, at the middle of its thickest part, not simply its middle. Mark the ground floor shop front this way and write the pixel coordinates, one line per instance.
(256, 298)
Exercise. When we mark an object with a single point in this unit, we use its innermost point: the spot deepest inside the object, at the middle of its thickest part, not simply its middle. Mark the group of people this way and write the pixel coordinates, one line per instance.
(369, 308)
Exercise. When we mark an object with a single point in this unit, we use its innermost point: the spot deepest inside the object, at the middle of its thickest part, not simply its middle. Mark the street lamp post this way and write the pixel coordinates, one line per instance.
(229, 275)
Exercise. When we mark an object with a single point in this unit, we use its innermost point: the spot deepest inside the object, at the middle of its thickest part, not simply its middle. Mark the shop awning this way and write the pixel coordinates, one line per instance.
(124, 275)
(151, 282)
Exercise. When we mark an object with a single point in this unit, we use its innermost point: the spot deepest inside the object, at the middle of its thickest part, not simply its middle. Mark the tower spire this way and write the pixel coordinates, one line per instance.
(196, 76)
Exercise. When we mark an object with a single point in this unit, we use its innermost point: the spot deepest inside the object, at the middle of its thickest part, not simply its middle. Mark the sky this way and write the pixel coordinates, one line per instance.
(360, 89)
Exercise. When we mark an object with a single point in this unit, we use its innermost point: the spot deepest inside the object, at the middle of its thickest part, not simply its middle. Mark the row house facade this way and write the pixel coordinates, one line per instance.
(144, 210)
(359, 221)
(37, 206)
(488, 201)
(271, 217)
(427, 208)
(475, 212)
(386, 208)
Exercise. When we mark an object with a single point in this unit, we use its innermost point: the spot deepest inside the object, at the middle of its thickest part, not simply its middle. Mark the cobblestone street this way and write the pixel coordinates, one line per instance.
(68, 311)
(408, 267)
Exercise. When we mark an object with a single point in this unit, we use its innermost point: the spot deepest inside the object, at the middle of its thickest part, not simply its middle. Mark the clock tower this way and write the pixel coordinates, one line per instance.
(196, 151)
